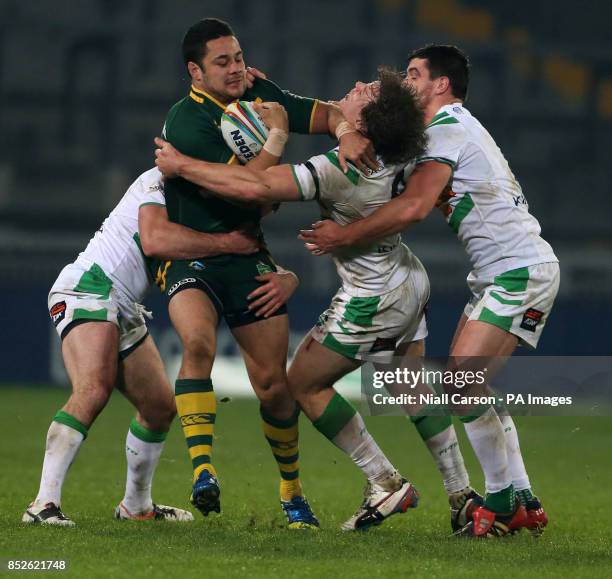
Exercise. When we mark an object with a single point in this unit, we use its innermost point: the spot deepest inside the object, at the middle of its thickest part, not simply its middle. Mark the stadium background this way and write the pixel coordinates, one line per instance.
(84, 87)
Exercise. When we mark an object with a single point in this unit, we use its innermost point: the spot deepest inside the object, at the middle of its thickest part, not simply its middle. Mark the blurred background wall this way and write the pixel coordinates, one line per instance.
(85, 86)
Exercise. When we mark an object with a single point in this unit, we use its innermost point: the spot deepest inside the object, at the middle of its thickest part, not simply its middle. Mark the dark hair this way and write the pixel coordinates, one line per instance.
(394, 121)
(447, 60)
(195, 39)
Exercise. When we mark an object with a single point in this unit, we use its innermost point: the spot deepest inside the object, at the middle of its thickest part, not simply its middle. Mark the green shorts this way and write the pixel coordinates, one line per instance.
(226, 279)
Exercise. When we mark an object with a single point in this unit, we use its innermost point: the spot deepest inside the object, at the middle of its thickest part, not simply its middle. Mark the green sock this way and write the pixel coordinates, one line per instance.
(502, 501)
(524, 496)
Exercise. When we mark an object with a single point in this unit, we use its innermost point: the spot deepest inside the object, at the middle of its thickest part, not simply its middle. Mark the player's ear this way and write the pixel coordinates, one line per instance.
(442, 84)
(195, 71)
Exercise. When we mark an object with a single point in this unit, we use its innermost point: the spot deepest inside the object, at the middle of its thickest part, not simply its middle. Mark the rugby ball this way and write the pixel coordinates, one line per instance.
(243, 130)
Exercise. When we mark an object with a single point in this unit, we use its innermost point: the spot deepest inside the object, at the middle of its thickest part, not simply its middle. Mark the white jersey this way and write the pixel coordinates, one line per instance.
(488, 210)
(378, 267)
(115, 247)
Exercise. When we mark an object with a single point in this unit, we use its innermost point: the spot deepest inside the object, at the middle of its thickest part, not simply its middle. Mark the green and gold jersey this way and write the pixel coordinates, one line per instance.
(192, 126)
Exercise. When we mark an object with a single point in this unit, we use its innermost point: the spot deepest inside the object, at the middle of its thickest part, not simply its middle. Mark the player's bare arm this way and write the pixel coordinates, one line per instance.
(162, 238)
(328, 118)
(424, 187)
(236, 183)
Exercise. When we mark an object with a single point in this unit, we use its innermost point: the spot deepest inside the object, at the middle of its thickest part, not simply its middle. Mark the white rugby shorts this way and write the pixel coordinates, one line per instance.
(371, 328)
(517, 301)
(83, 294)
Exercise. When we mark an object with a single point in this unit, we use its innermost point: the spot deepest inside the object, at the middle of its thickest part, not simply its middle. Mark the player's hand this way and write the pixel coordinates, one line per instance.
(251, 74)
(314, 249)
(167, 158)
(325, 236)
(275, 291)
(359, 150)
(273, 114)
(243, 242)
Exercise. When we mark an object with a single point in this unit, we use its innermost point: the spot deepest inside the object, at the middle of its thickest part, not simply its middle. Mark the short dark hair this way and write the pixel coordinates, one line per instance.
(447, 60)
(195, 39)
(394, 121)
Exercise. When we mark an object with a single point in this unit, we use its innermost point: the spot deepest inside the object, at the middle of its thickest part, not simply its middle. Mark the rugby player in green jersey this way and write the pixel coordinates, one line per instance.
(203, 291)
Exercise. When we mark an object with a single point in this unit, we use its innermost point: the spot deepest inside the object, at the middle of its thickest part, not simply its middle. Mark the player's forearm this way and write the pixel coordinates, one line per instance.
(334, 118)
(263, 161)
(392, 218)
(174, 241)
(414, 204)
(327, 117)
(235, 183)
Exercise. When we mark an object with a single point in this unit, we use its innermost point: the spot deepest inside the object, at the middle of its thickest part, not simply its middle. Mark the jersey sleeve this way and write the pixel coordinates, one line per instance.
(152, 189)
(444, 143)
(300, 110)
(321, 178)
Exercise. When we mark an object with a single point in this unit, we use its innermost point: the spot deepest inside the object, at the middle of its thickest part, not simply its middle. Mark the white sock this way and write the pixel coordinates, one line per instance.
(520, 479)
(63, 443)
(142, 458)
(487, 438)
(444, 448)
(357, 442)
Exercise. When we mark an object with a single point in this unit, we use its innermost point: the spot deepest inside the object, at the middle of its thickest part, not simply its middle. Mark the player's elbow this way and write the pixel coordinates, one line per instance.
(413, 213)
(152, 244)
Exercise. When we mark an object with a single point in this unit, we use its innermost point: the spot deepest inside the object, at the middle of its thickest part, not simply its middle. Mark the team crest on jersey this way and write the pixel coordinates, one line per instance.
(197, 265)
(263, 268)
(57, 312)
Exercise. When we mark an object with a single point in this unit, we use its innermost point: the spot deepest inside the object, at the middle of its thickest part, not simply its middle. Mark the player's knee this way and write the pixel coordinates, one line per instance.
(159, 414)
(198, 349)
(274, 394)
(90, 399)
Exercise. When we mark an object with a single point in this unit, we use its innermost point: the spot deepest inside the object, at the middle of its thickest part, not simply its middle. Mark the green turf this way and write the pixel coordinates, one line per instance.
(568, 459)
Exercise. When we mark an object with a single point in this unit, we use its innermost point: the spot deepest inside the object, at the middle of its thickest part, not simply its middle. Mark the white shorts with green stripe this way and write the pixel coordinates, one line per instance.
(82, 295)
(517, 301)
(371, 328)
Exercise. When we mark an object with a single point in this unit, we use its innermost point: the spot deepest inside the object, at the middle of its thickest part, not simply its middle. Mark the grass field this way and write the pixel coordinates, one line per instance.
(569, 460)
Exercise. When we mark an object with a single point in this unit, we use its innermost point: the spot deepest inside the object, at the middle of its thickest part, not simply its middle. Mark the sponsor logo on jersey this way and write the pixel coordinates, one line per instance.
(383, 345)
(180, 283)
(322, 320)
(159, 186)
(531, 319)
(57, 312)
(519, 200)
